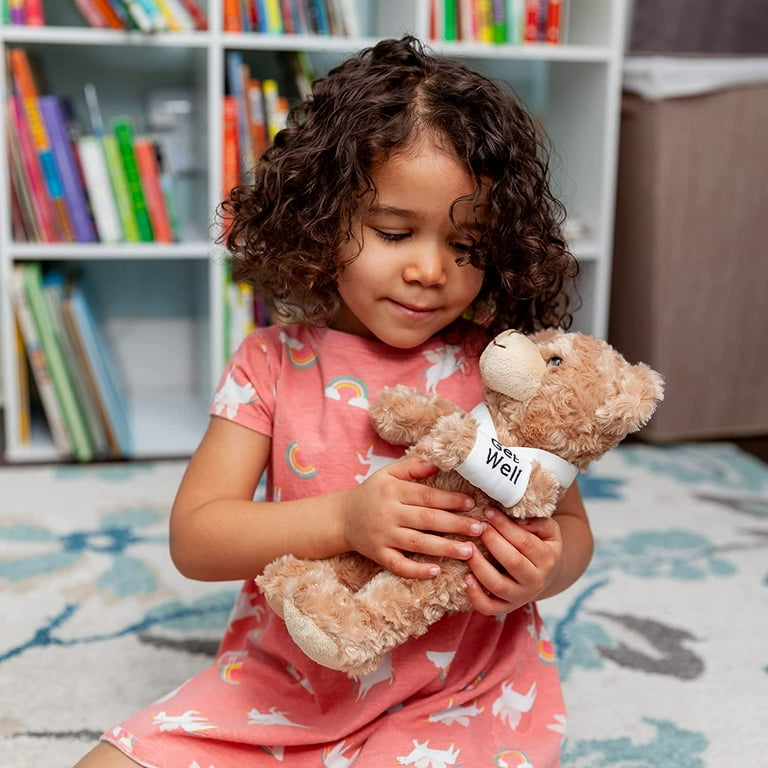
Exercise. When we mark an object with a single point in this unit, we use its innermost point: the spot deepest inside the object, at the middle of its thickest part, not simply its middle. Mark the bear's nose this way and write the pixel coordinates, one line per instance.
(511, 364)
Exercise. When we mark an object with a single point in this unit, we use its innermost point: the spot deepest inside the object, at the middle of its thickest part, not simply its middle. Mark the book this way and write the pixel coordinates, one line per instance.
(25, 86)
(553, 29)
(196, 13)
(123, 130)
(233, 20)
(38, 364)
(30, 172)
(91, 13)
(180, 18)
(22, 387)
(99, 189)
(238, 73)
(149, 172)
(66, 161)
(120, 190)
(230, 148)
(65, 393)
(106, 10)
(101, 369)
(34, 13)
(257, 121)
(53, 287)
(138, 15)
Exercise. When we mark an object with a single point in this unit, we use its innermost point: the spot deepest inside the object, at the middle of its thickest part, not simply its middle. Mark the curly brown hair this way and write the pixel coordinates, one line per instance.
(285, 228)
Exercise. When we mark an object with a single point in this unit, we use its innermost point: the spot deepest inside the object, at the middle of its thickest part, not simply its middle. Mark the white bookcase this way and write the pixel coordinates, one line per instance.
(161, 304)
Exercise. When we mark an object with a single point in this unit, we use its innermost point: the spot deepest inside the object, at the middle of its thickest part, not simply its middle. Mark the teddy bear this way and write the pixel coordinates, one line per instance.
(553, 402)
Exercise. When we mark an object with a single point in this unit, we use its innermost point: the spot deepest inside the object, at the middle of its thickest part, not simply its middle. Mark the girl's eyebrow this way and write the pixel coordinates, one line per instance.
(391, 210)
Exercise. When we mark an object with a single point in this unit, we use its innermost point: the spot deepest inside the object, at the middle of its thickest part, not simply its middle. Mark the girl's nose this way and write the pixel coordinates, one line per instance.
(425, 266)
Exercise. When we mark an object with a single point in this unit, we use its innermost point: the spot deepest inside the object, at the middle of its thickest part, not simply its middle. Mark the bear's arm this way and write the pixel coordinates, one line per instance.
(401, 415)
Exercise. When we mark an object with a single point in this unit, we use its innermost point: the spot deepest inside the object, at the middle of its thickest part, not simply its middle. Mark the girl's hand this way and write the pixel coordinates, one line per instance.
(389, 515)
(531, 555)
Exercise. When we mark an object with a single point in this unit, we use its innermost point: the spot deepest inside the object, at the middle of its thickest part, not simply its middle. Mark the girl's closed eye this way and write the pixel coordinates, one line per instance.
(391, 237)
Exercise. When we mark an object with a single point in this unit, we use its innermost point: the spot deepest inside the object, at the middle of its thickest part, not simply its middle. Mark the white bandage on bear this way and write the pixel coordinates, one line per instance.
(503, 472)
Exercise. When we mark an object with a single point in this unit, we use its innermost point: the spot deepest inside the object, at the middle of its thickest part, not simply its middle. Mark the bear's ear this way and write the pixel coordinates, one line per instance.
(640, 390)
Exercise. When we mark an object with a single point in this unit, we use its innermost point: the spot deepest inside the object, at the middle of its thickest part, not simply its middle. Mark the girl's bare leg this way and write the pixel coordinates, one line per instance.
(104, 755)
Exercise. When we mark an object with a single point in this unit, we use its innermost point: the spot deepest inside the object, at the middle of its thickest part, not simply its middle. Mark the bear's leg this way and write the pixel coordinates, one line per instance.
(352, 632)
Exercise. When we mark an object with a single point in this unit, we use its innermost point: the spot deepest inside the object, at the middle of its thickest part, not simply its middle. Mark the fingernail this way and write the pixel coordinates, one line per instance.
(476, 529)
(490, 513)
(465, 550)
(434, 570)
(469, 504)
(469, 580)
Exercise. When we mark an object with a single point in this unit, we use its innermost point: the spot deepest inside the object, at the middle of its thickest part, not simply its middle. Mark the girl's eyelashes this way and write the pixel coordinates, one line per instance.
(396, 237)
(391, 237)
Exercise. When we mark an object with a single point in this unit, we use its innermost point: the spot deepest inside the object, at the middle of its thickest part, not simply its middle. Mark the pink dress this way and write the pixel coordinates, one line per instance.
(474, 691)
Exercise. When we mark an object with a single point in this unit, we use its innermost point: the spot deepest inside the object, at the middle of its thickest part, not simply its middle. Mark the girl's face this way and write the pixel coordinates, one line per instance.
(405, 285)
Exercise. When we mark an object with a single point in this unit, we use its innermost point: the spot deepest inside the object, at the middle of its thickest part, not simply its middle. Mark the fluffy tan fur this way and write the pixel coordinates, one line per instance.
(567, 393)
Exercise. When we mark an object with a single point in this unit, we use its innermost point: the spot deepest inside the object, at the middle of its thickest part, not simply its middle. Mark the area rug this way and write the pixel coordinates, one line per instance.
(662, 645)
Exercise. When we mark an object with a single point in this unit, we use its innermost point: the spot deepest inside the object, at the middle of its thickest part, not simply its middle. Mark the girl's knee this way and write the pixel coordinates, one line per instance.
(104, 755)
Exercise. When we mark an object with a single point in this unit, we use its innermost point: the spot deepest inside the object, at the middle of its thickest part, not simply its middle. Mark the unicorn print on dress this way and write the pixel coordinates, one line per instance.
(461, 714)
(373, 462)
(442, 660)
(273, 717)
(231, 395)
(511, 705)
(424, 757)
(337, 756)
(445, 362)
(189, 722)
(382, 674)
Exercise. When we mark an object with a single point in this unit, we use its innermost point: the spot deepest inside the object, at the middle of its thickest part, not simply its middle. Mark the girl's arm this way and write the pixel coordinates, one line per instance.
(218, 533)
(541, 557)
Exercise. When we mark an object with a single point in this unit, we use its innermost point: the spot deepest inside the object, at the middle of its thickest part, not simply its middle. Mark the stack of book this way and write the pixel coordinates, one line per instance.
(71, 370)
(30, 13)
(144, 15)
(253, 112)
(109, 186)
(292, 17)
(497, 21)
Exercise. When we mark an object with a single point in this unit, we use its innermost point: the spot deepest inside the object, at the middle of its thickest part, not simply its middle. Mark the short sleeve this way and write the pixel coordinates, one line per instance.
(245, 392)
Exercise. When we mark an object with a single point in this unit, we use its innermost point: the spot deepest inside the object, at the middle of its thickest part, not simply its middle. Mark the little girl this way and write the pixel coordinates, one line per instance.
(400, 220)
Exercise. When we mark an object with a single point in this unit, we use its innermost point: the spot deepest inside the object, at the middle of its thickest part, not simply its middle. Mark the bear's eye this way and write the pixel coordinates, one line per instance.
(555, 360)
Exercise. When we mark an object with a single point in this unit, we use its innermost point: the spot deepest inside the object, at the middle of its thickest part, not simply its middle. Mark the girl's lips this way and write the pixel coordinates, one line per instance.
(412, 310)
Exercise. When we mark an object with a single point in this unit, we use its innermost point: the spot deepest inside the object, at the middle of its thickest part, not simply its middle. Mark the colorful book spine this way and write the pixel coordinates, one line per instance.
(99, 189)
(43, 211)
(149, 171)
(34, 13)
(103, 370)
(237, 74)
(120, 190)
(123, 130)
(16, 12)
(90, 12)
(74, 192)
(53, 289)
(553, 31)
(138, 15)
(25, 86)
(111, 17)
(38, 364)
(230, 147)
(233, 20)
(196, 12)
(65, 394)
